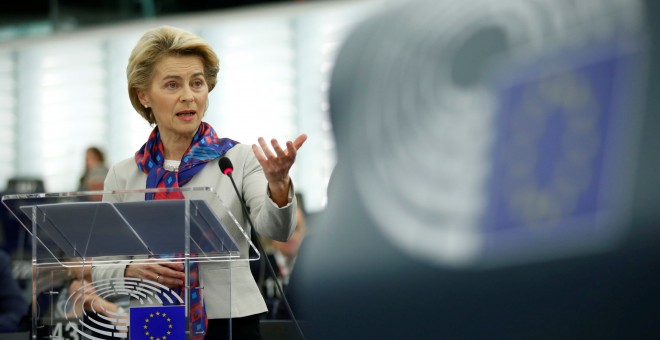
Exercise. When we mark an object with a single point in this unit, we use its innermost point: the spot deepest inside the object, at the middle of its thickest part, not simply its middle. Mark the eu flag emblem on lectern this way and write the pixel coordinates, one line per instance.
(158, 323)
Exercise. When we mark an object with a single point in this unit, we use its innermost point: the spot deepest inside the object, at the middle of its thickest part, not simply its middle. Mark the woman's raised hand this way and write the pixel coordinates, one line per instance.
(276, 164)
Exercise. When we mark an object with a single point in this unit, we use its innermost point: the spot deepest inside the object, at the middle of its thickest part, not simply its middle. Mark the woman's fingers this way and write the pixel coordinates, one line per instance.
(268, 154)
(264, 153)
(168, 274)
(278, 150)
(298, 142)
(172, 281)
(177, 266)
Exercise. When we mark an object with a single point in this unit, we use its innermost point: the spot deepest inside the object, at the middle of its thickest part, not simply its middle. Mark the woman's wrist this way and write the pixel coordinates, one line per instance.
(279, 192)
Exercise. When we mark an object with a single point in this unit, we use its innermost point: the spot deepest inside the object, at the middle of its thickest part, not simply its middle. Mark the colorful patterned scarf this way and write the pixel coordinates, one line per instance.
(205, 147)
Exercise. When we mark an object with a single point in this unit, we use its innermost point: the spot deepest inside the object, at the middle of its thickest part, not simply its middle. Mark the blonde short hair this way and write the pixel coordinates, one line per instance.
(156, 44)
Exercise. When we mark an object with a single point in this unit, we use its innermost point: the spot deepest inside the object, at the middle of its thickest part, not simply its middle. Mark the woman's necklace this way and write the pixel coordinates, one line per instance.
(171, 165)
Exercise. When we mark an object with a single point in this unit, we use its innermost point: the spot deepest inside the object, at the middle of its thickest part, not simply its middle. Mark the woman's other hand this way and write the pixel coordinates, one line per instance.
(168, 274)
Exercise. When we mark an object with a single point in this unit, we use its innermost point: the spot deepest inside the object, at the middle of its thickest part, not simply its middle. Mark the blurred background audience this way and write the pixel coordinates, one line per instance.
(282, 257)
(95, 170)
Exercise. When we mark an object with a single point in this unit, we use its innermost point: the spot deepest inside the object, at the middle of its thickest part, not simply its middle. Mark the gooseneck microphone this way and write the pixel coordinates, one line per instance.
(227, 168)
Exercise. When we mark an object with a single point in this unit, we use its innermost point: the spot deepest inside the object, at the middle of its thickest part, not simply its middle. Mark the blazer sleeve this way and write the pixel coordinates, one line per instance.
(109, 184)
(270, 220)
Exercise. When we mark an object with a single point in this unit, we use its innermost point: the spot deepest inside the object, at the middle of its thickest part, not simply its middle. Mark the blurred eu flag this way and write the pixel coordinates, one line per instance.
(563, 132)
(158, 322)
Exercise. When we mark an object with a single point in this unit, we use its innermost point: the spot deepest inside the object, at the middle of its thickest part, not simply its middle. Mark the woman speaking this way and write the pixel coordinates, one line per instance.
(170, 74)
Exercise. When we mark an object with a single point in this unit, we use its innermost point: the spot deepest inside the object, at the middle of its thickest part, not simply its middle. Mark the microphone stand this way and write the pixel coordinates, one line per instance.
(260, 248)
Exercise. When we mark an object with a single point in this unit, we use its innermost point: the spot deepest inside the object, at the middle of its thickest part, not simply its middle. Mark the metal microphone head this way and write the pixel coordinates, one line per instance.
(225, 165)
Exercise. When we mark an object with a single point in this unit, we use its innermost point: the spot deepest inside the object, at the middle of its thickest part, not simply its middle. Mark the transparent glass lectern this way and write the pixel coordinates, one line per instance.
(76, 236)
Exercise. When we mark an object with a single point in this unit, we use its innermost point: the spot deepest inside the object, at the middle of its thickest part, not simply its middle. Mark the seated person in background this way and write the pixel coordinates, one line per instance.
(13, 306)
(95, 170)
(282, 256)
(285, 253)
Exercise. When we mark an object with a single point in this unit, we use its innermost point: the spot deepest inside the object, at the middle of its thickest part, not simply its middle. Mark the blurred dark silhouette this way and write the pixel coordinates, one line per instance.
(282, 257)
(474, 197)
(13, 306)
(16, 240)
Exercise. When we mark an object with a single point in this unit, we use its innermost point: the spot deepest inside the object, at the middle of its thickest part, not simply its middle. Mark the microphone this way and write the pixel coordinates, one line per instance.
(227, 168)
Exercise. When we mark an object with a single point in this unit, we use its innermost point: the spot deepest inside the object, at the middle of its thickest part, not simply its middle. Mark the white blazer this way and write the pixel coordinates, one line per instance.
(269, 220)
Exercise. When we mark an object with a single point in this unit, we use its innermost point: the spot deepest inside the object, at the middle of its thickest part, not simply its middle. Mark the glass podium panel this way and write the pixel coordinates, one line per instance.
(76, 236)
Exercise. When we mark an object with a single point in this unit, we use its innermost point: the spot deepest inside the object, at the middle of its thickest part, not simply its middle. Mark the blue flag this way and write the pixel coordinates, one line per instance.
(562, 133)
(158, 322)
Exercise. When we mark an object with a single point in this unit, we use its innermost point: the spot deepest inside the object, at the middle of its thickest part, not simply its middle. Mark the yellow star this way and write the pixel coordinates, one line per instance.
(146, 333)
(164, 315)
(170, 326)
(164, 337)
(151, 315)
(168, 319)
(146, 320)
(168, 332)
(151, 337)
(157, 313)
(145, 326)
